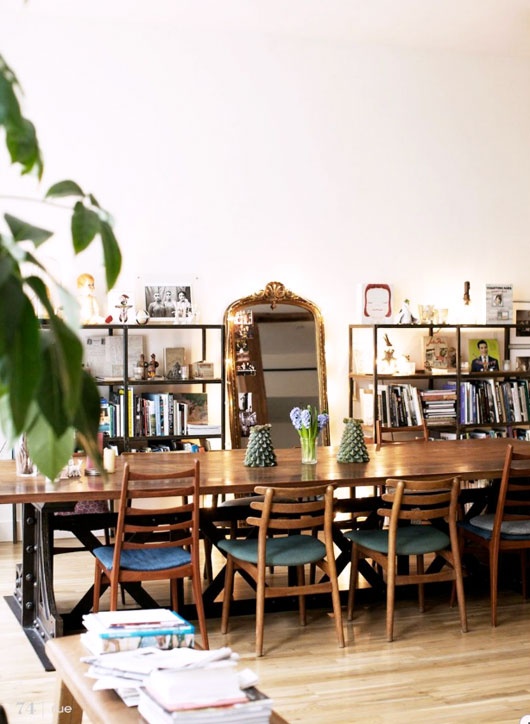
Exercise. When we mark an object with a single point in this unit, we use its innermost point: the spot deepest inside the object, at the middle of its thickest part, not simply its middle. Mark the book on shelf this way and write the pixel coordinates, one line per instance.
(112, 631)
(202, 430)
(399, 405)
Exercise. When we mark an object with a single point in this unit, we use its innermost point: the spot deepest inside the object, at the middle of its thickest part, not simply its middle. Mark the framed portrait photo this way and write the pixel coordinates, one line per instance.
(520, 334)
(484, 355)
(168, 302)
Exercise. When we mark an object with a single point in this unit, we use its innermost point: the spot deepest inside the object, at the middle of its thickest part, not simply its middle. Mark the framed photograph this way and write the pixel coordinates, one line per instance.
(520, 359)
(174, 360)
(499, 303)
(439, 353)
(167, 302)
(376, 303)
(521, 319)
(484, 355)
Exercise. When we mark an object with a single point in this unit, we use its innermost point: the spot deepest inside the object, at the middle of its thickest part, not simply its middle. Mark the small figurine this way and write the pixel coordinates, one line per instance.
(405, 316)
(141, 367)
(151, 367)
(89, 310)
(124, 307)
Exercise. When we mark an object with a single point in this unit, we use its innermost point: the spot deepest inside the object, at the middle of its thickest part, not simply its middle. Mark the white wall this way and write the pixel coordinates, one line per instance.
(235, 155)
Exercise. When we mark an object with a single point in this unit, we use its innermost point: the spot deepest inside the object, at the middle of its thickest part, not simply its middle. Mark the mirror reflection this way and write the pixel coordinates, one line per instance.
(275, 361)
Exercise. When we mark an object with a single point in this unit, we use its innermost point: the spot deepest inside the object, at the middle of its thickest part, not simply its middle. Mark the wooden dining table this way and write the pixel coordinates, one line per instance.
(222, 473)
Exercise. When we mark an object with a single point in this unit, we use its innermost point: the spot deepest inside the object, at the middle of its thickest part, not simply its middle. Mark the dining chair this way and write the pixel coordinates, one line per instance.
(385, 434)
(507, 529)
(154, 543)
(421, 517)
(285, 522)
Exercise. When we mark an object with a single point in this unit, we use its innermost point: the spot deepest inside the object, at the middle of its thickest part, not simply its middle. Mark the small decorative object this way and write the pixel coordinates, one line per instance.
(388, 363)
(24, 464)
(141, 368)
(438, 354)
(260, 452)
(308, 423)
(89, 309)
(405, 315)
(124, 307)
(499, 303)
(352, 445)
(151, 367)
(142, 317)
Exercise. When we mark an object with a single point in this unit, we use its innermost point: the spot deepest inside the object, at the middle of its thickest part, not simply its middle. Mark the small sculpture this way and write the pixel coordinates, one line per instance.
(404, 315)
(89, 310)
(141, 367)
(124, 307)
(151, 367)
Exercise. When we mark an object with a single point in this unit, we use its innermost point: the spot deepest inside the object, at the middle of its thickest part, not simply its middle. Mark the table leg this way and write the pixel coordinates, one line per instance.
(66, 709)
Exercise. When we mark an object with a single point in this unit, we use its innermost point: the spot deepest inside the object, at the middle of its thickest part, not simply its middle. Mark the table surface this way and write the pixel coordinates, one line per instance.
(223, 471)
(102, 706)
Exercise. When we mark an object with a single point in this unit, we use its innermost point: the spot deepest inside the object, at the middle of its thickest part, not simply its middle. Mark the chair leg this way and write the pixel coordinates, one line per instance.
(354, 575)
(260, 610)
(390, 597)
(227, 596)
(421, 587)
(199, 605)
(97, 588)
(494, 575)
(302, 611)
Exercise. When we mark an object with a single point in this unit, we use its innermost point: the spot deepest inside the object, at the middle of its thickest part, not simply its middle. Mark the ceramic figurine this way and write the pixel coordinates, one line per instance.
(405, 316)
(89, 310)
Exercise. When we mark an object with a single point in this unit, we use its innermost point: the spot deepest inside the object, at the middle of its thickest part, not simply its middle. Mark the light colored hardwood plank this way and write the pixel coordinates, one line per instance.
(431, 672)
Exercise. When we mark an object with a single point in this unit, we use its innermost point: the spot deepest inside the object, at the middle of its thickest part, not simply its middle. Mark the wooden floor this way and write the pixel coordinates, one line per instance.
(430, 673)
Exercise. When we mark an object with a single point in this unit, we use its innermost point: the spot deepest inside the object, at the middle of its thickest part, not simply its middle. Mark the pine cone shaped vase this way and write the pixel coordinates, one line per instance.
(260, 452)
(352, 446)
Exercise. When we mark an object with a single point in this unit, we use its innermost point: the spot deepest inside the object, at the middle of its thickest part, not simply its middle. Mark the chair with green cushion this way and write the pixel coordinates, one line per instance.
(286, 521)
(420, 520)
(154, 542)
(507, 530)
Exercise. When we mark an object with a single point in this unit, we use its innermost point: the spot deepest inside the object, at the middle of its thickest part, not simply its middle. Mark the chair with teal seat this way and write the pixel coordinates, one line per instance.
(420, 519)
(285, 520)
(507, 529)
(154, 543)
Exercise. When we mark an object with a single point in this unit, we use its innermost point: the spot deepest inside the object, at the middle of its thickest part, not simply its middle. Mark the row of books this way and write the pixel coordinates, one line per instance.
(492, 401)
(439, 406)
(399, 405)
(150, 414)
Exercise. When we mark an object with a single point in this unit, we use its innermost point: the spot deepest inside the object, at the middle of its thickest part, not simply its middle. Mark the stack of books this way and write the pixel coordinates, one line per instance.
(126, 630)
(439, 406)
(201, 697)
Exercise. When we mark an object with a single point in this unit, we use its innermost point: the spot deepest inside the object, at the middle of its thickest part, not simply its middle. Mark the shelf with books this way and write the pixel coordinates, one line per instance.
(466, 376)
(149, 412)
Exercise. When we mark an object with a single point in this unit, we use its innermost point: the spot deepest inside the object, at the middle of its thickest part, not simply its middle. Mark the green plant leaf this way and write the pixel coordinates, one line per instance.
(60, 388)
(9, 105)
(65, 188)
(23, 147)
(22, 371)
(49, 452)
(85, 226)
(87, 419)
(22, 231)
(111, 253)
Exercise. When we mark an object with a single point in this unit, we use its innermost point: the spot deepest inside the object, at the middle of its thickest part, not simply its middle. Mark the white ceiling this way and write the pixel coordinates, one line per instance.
(491, 26)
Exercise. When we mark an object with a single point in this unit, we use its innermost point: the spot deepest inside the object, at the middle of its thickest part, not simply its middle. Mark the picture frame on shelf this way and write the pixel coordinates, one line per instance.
(439, 353)
(492, 355)
(169, 302)
(174, 360)
(521, 319)
(520, 359)
(376, 303)
(499, 303)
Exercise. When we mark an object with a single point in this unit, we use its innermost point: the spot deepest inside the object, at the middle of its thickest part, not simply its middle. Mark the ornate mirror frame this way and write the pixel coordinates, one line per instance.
(273, 294)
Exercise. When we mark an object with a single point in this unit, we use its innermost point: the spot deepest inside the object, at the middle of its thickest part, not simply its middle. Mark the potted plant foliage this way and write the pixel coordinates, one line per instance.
(44, 391)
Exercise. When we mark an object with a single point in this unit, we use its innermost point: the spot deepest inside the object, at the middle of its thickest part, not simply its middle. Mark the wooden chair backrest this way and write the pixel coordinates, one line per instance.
(513, 502)
(419, 432)
(174, 521)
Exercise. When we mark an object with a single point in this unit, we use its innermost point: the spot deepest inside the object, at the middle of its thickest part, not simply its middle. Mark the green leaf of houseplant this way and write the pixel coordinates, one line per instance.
(85, 226)
(111, 253)
(22, 231)
(50, 452)
(64, 188)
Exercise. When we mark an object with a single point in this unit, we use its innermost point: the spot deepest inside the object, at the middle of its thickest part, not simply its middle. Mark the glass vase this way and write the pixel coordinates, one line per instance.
(309, 450)
(23, 462)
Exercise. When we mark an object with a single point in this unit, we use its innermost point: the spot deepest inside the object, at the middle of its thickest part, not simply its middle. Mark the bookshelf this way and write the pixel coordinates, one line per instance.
(174, 406)
(401, 373)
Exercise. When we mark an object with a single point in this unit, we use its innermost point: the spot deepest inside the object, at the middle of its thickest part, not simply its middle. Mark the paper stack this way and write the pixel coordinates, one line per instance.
(201, 697)
(111, 631)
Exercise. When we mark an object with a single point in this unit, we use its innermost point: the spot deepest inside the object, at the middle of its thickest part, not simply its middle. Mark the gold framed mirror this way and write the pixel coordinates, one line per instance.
(275, 360)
